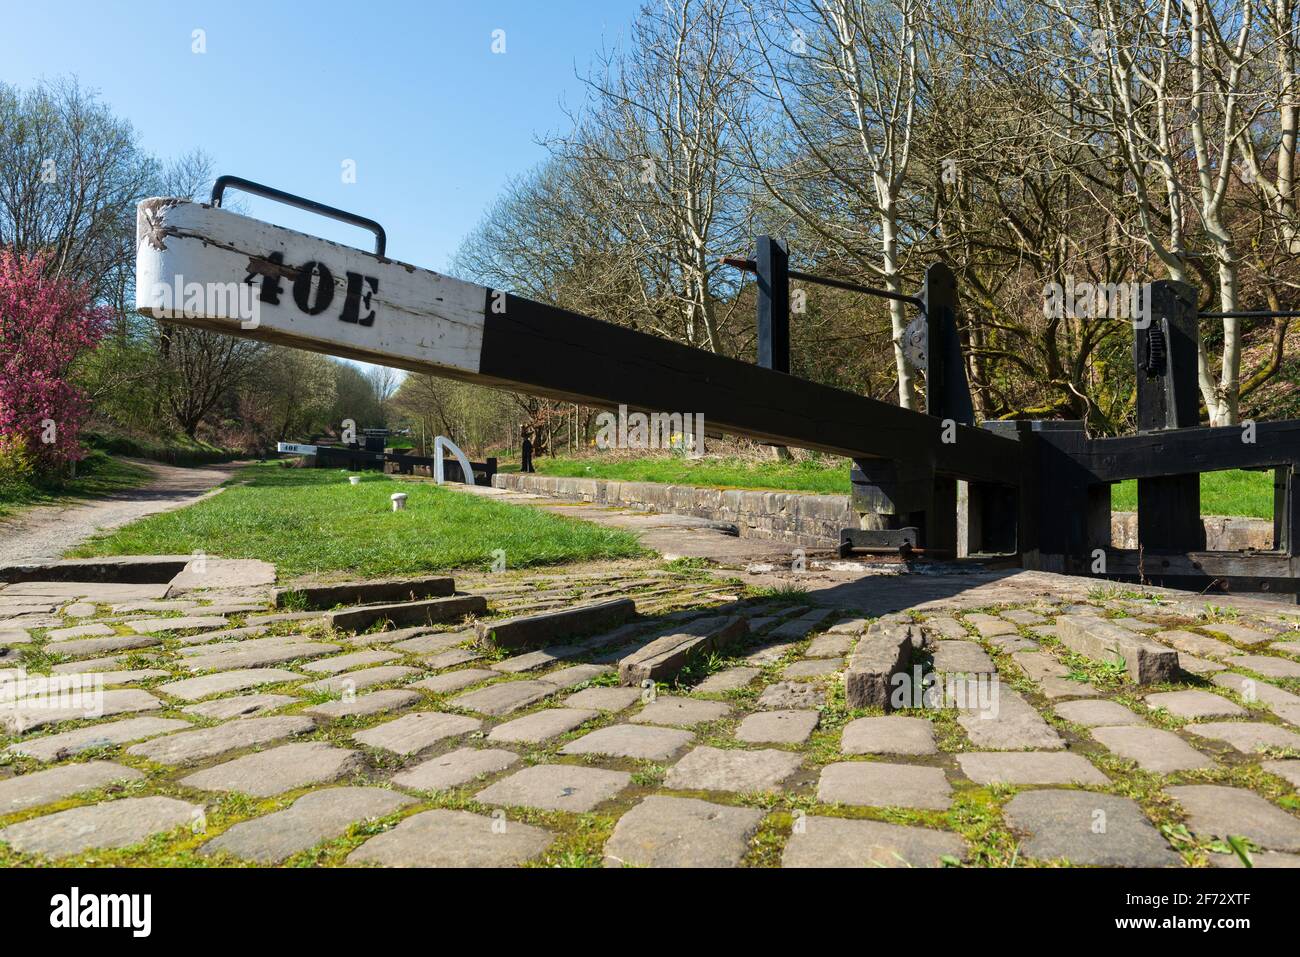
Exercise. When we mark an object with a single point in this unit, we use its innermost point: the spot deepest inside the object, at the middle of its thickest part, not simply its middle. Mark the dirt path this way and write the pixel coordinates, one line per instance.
(47, 531)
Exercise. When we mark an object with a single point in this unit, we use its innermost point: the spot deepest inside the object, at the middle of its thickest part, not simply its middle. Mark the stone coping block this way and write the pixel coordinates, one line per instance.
(665, 656)
(386, 591)
(869, 679)
(1147, 661)
(549, 626)
(429, 612)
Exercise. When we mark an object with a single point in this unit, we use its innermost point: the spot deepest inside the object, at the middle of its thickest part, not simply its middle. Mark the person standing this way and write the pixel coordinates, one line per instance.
(526, 452)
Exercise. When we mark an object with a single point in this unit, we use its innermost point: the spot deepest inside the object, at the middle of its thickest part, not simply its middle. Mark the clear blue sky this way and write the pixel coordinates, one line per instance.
(436, 122)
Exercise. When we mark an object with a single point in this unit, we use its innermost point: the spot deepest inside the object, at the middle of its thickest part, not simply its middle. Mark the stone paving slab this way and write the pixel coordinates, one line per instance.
(285, 768)
(1195, 644)
(712, 769)
(1194, 704)
(988, 626)
(240, 706)
(1087, 828)
(223, 682)
(359, 680)
(22, 715)
(1029, 767)
(1218, 811)
(575, 675)
(113, 679)
(1267, 666)
(963, 657)
(356, 659)
(87, 665)
(777, 727)
(604, 699)
(111, 824)
(451, 658)
(1288, 769)
(830, 646)
(56, 747)
(240, 645)
(424, 644)
(504, 697)
(95, 630)
(377, 702)
(1099, 714)
(1247, 736)
(1022, 617)
(413, 733)
(536, 659)
(1259, 859)
(442, 838)
(259, 657)
(1253, 690)
(1012, 725)
(1241, 634)
(541, 725)
(98, 646)
(877, 784)
(631, 741)
(451, 681)
(681, 712)
(203, 743)
(1192, 665)
(45, 787)
(1152, 749)
(889, 735)
(730, 679)
(666, 831)
(556, 787)
(791, 696)
(812, 669)
(455, 768)
(836, 842)
(313, 818)
(153, 626)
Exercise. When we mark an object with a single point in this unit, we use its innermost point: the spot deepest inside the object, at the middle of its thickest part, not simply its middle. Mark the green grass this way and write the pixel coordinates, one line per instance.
(97, 475)
(1234, 492)
(311, 521)
(825, 476)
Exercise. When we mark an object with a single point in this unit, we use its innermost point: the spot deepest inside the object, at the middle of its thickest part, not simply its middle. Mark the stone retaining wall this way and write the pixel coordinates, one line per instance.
(1223, 533)
(813, 520)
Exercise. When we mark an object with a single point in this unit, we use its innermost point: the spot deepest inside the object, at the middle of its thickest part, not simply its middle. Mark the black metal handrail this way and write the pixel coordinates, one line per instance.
(310, 205)
(750, 265)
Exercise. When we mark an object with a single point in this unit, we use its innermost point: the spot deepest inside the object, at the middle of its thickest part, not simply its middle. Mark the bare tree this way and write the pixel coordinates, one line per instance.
(656, 149)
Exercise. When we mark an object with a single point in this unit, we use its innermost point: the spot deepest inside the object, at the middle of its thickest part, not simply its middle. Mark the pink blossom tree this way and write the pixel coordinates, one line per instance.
(45, 323)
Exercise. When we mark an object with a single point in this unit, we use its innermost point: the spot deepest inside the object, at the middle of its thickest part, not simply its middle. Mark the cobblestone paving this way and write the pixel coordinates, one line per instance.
(234, 733)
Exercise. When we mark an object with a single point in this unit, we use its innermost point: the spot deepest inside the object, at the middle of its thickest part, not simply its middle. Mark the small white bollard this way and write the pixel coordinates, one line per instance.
(399, 501)
(354, 479)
